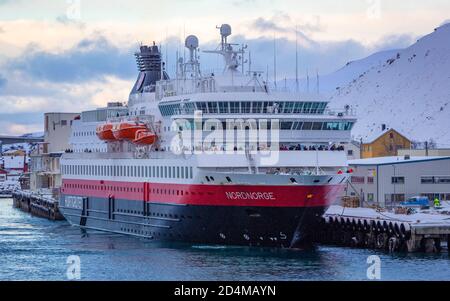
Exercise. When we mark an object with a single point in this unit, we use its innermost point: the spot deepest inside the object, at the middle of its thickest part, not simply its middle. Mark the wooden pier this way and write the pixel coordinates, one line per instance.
(40, 205)
(369, 228)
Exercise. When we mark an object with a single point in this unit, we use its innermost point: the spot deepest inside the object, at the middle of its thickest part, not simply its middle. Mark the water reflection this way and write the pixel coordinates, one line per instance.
(37, 249)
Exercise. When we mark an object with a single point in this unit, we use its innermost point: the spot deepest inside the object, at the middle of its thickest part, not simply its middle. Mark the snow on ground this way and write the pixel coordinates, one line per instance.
(430, 216)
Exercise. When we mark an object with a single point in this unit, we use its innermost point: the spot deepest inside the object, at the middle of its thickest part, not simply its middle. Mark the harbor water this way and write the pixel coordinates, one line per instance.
(32, 248)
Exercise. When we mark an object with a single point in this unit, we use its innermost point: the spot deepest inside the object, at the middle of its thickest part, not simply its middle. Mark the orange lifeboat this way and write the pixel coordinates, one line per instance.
(144, 137)
(127, 130)
(104, 132)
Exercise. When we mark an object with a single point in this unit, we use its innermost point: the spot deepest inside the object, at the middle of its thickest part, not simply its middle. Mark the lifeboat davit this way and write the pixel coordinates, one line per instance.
(104, 132)
(144, 137)
(127, 130)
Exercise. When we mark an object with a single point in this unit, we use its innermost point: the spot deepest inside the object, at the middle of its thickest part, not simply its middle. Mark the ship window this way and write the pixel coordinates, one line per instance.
(223, 107)
(212, 107)
(202, 107)
(153, 171)
(298, 107)
(322, 107)
(286, 125)
(170, 171)
(165, 172)
(307, 126)
(245, 107)
(314, 108)
(186, 172)
(299, 126)
(307, 107)
(334, 126)
(191, 173)
(256, 107)
(234, 107)
(289, 106)
(178, 172)
(268, 107)
(317, 126)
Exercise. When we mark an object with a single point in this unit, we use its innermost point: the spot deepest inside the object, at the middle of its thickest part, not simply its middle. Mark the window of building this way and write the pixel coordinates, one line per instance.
(443, 180)
(427, 180)
(357, 180)
(398, 180)
(349, 152)
(369, 180)
(392, 198)
(370, 197)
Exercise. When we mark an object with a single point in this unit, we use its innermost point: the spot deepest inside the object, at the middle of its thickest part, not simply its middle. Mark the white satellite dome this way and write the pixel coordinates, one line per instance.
(225, 30)
(191, 42)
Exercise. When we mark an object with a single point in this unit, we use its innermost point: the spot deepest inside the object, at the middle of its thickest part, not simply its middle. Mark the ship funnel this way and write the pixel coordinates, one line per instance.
(151, 69)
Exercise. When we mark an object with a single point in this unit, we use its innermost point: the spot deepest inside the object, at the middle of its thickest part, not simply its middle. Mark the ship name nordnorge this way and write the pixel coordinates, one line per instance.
(250, 195)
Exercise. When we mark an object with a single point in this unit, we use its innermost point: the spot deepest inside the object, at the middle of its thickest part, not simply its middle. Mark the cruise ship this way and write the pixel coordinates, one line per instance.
(211, 158)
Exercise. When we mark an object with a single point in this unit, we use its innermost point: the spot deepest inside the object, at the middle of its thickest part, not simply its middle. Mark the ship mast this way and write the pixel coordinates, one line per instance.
(231, 56)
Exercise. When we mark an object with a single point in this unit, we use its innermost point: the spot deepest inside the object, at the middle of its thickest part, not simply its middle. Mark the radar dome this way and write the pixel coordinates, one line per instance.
(225, 30)
(191, 42)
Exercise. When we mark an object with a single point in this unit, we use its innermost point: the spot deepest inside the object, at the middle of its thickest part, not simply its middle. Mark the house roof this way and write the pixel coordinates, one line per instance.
(394, 160)
(375, 135)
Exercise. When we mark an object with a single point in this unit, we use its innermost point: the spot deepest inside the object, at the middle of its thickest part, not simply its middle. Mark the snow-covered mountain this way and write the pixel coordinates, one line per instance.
(351, 71)
(408, 91)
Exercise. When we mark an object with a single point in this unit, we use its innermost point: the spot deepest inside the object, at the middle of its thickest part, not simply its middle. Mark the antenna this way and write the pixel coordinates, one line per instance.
(296, 59)
(275, 60)
(317, 81)
(307, 80)
(249, 62)
(184, 38)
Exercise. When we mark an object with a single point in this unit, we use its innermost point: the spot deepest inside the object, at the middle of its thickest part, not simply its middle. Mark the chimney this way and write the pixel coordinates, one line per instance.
(383, 127)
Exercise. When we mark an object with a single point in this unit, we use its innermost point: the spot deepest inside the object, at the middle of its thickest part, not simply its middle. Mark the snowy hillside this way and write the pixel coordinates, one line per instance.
(410, 92)
(351, 71)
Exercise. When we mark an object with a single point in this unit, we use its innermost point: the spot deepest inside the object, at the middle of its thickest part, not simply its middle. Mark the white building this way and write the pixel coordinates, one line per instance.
(45, 173)
(57, 130)
(387, 181)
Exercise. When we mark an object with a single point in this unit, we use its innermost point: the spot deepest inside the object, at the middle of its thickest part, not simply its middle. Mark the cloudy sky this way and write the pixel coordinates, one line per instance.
(70, 55)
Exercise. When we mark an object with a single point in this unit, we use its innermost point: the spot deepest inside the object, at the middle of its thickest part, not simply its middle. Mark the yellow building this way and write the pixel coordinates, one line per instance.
(385, 145)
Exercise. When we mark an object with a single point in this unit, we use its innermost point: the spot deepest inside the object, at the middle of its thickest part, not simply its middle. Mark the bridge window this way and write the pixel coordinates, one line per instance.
(307, 126)
(307, 107)
(256, 107)
(234, 107)
(212, 107)
(201, 106)
(298, 107)
(317, 126)
(286, 125)
(246, 107)
(223, 107)
(288, 107)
